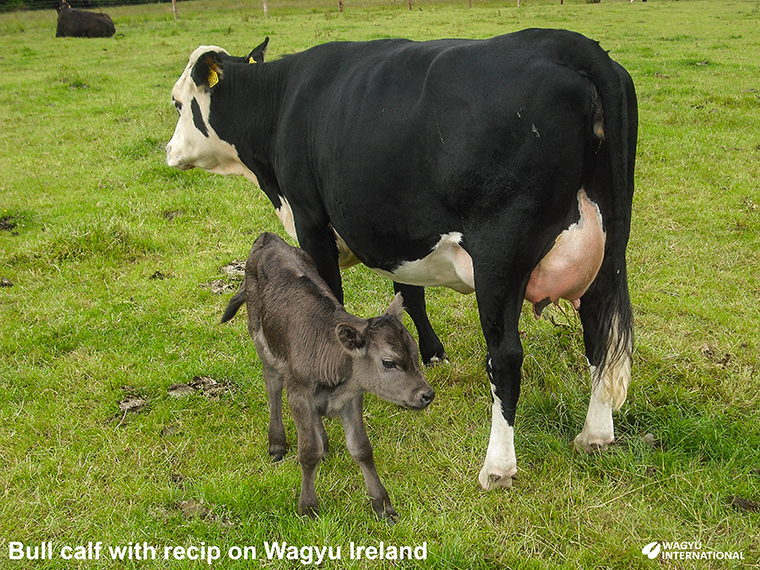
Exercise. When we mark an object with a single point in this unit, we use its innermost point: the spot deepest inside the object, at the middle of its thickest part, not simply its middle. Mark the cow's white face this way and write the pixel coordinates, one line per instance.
(195, 143)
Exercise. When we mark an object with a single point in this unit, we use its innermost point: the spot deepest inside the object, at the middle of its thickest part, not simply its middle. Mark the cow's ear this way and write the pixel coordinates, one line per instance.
(207, 71)
(396, 308)
(351, 339)
(257, 54)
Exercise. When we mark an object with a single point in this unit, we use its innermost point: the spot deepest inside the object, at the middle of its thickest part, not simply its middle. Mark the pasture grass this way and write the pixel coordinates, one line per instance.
(108, 257)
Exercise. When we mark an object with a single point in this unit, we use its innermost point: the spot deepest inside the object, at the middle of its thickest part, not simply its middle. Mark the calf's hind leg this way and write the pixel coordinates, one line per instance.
(361, 450)
(276, 434)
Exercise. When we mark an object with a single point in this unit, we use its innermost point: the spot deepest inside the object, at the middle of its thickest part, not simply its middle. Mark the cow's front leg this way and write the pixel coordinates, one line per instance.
(503, 369)
(431, 347)
(316, 237)
(500, 292)
(361, 450)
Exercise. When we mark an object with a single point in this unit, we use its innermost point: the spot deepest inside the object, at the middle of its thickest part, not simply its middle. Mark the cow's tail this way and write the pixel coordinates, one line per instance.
(615, 127)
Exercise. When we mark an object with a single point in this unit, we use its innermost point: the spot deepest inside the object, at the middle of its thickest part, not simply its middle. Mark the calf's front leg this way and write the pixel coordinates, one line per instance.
(310, 451)
(361, 450)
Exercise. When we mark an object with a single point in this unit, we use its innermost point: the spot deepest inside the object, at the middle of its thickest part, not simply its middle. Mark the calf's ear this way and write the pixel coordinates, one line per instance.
(351, 339)
(207, 71)
(396, 308)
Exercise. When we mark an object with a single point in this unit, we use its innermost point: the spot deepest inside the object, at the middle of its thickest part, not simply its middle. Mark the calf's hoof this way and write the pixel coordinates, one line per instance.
(385, 511)
(277, 452)
(310, 510)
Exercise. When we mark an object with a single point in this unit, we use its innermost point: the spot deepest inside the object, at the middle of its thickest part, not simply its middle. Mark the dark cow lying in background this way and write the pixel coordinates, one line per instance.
(81, 24)
(501, 166)
(326, 358)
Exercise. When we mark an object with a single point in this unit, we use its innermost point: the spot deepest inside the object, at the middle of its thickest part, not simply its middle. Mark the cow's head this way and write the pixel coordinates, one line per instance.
(63, 4)
(195, 143)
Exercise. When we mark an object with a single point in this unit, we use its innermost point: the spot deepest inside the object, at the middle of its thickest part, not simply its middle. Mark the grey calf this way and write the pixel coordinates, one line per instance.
(326, 358)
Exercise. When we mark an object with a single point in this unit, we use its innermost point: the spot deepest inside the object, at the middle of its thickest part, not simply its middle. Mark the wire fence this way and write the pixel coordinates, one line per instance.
(10, 5)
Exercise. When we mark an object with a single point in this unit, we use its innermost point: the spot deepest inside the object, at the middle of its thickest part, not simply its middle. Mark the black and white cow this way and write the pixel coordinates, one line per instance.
(500, 166)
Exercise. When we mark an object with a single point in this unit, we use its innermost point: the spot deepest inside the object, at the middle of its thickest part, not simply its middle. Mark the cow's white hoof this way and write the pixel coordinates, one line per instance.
(493, 478)
(590, 443)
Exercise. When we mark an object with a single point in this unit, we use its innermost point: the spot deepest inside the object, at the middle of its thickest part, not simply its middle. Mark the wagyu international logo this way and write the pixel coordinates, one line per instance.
(686, 551)
(651, 550)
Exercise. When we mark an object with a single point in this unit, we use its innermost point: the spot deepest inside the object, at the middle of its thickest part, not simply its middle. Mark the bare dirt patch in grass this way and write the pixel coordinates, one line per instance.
(204, 385)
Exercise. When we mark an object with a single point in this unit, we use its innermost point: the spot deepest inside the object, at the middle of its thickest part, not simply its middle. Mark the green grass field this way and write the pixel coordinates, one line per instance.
(107, 257)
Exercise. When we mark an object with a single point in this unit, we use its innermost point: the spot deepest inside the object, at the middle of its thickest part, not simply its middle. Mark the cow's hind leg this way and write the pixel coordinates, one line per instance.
(503, 256)
(431, 347)
(608, 335)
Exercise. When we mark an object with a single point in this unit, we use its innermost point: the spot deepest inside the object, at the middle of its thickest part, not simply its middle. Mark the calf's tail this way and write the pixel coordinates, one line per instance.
(237, 300)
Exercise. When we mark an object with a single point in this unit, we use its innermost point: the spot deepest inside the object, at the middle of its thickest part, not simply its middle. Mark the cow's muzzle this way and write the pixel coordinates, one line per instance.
(174, 161)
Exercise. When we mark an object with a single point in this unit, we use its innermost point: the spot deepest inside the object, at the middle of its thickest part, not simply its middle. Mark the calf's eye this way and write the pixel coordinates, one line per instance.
(389, 364)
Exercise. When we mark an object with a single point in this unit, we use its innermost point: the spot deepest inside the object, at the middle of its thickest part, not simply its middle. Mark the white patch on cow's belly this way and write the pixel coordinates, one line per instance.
(448, 265)
(346, 257)
(285, 214)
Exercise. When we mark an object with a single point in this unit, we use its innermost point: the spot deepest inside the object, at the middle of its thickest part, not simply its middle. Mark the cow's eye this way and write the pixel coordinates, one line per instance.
(389, 364)
(177, 105)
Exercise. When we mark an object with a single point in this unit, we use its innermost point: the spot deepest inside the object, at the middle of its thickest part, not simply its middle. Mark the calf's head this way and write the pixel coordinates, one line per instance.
(386, 360)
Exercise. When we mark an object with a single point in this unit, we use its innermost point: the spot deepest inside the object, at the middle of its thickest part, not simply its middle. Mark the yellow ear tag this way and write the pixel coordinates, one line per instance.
(251, 60)
(213, 78)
